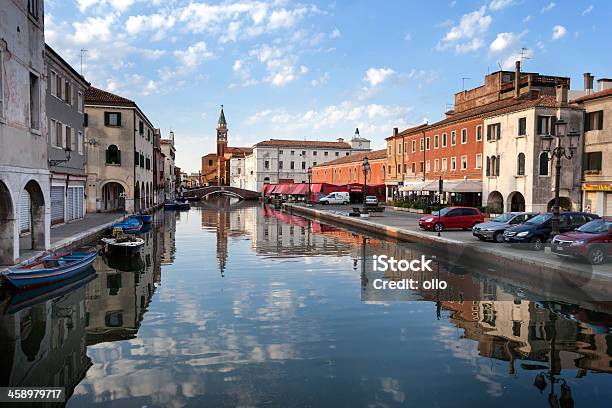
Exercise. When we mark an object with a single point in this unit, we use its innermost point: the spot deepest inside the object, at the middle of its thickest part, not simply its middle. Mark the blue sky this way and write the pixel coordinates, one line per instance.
(316, 70)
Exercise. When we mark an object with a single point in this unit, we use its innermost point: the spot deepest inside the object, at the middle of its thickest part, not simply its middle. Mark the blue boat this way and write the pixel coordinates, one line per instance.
(130, 225)
(145, 218)
(50, 269)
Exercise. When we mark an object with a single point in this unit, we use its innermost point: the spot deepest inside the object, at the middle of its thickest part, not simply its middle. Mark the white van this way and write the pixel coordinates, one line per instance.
(338, 197)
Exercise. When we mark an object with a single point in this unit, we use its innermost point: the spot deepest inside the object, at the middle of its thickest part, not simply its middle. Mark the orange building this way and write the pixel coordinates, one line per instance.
(348, 171)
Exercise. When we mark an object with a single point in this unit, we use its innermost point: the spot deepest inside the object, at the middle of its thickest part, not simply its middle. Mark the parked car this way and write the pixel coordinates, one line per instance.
(452, 218)
(494, 229)
(371, 200)
(338, 197)
(537, 230)
(592, 241)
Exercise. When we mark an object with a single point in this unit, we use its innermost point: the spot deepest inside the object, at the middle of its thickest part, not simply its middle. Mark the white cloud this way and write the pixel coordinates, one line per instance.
(281, 64)
(376, 76)
(527, 19)
(587, 10)
(558, 32)
(509, 61)
(322, 80)
(194, 55)
(502, 42)
(93, 29)
(257, 117)
(466, 36)
(408, 37)
(118, 5)
(335, 33)
(496, 5)
(549, 7)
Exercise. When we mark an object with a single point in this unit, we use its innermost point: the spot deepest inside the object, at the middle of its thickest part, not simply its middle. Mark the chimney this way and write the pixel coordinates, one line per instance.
(588, 83)
(517, 79)
(604, 84)
(562, 95)
(395, 131)
(340, 140)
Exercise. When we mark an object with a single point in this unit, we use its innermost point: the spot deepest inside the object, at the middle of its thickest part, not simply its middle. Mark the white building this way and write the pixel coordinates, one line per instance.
(517, 174)
(24, 174)
(287, 161)
(169, 151)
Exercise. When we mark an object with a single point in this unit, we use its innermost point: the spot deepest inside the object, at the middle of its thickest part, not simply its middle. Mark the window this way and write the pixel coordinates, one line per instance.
(55, 141)
(389, 170)
(399, 149)
(112, 118)
(80, 142)
(59, 134)
(292, 165)
(405, 148)
(303, 165)
(453, 164)
(314, 163)
(422, 146)
(149, 135)
(280, 152)
(292, 152)
(543, 164)
(493, 166)
(267, 165)
(493, 131)
(280, 165)
(522, 126)
(421, 167)
(33, 8)
(497, 165)
(478, 133)
(34, 102)
(113, 155)
(413, 167)
(141, 128)
(325, 154)
(436, 165)
(593, 121)
(520, 164)
(427, 166)
(1, 85)
(463, 136)
(59, 84)
(53, 83)
(444, 164)
(148, 164)
(304, 153)
(210, 162)
(68, 92)
(464, 163)
(314, 153)
(399, 169)
(453, 138)
(436, 141)
(593, 161)
(337, 154)
(413, 146)
(389, 150)
(142, 160)
(546, 125)
(80, 102)
(383, 172)
(443, 139)
(479, 161)
(69, 142)
(427, 143)
(488, 167)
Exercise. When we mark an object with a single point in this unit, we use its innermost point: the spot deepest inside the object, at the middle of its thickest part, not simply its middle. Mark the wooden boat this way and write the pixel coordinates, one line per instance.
(131, 225)
(122, 245)
(50, 269)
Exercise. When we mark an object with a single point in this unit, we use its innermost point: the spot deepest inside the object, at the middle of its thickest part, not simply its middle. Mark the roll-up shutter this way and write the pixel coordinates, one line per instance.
(70, 204)
(608, 211)
(57, 204)
(79, 202)
(24, 211)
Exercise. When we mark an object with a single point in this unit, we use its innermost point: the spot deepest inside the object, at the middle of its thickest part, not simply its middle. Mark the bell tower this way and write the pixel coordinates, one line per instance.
(222, 171)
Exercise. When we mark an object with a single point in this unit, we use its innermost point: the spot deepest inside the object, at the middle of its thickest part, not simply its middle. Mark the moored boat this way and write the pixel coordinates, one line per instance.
(122, 245)
(145, 218)
(129, 226)
(50, 269)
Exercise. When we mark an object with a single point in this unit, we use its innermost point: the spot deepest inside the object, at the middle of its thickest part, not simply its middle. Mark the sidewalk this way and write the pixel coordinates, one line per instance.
(536, 266)
(71, 235)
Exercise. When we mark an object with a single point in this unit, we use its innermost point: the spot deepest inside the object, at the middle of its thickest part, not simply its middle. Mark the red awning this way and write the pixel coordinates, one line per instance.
(267, 188)
(299, 189)
(277, 189)
(316, 188)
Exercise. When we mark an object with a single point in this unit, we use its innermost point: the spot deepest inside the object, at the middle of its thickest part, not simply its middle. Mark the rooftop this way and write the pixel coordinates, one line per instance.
(356, 158)
(313, 144)
(95, 95)
(596, 95)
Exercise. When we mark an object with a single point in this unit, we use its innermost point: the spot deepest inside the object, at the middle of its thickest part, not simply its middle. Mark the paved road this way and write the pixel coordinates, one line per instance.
(409, 221)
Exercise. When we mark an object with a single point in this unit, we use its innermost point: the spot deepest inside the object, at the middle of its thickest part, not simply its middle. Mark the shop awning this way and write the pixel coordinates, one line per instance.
(316, 187)
(267, 188)
(299, 189)
(283, 188)
(412, 186)
(463, 186)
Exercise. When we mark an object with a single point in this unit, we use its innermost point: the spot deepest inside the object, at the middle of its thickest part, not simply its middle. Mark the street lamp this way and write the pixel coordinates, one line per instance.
(366, 168)
(309, 179)
(558, 152)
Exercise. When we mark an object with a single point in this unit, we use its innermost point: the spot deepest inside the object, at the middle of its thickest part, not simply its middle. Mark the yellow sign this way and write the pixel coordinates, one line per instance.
(597, 186)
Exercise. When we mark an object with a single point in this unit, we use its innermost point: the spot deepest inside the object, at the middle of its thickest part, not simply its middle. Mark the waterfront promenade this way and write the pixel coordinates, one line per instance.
(534, 267)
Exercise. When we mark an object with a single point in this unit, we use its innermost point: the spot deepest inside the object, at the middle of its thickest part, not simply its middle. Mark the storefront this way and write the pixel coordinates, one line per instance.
(454, 192)
(597, 198)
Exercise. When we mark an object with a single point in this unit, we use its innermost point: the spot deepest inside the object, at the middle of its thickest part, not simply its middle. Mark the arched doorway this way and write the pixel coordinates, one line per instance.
(137, 197)
(7, 226)
(113, 196)
(32, 215)
(565, 204)
(516, 201)
(495, 200)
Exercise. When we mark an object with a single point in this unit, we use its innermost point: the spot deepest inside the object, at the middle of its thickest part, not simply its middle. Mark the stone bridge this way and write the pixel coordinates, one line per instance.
(203, 192)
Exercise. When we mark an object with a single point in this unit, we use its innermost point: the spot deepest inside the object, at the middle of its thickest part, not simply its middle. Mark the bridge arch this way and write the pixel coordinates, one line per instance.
(224, 192)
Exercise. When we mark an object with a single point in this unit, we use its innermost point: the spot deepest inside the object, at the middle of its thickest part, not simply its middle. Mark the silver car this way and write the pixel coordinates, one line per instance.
(494, 230)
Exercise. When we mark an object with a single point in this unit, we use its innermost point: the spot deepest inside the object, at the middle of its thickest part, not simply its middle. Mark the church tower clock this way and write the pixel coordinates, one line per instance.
(222, 165)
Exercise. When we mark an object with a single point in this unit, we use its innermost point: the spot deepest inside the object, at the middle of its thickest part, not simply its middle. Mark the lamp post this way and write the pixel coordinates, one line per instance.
(309, 180)
(557, 153)
(366, 168)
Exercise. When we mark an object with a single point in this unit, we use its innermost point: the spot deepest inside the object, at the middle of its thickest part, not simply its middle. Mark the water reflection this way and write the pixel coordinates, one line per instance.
(262, 308)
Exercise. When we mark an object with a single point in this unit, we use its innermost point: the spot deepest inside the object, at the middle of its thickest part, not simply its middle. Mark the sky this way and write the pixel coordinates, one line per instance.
(316, 70)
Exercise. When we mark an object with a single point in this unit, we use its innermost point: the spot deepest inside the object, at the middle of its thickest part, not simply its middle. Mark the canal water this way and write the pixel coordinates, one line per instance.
(238, 305)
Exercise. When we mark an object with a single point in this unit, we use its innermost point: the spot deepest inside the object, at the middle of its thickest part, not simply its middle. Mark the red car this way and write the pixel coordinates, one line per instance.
(452, 217)
(592, 241)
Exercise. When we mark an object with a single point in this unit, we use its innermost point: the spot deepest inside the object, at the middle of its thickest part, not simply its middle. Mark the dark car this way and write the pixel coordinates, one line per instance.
(494, 229)
(537, 230)
(452, 218)
(592, 241)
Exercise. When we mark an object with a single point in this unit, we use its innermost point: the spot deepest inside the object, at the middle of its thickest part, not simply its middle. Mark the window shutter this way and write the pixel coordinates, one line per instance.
(118, 156)
(107, 156)
(587, 117)
(136, 159)
(497, 165)
(106, 118)
(553, 121)
(118, 118)
(600, 120)
(85, 119)
(488, 132)
(539, 125)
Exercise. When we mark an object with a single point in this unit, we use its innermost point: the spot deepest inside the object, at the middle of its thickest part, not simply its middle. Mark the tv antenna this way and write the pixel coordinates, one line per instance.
(524, 54)
(463, 82)
(83, 51)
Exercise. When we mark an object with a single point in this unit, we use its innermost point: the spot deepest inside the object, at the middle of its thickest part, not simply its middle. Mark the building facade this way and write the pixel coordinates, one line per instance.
(64, 102)
(24, 171)
(119, 140)
(349, 169)
(597, 170)
(169, 153)
(159, 179)
(518, 175)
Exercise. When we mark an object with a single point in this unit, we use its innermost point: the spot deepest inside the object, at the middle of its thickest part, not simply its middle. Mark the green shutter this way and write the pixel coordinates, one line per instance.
(600, 120)
(587, 117)
(107, 156)
(106, 118)
(136, 159)
(118, 118)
